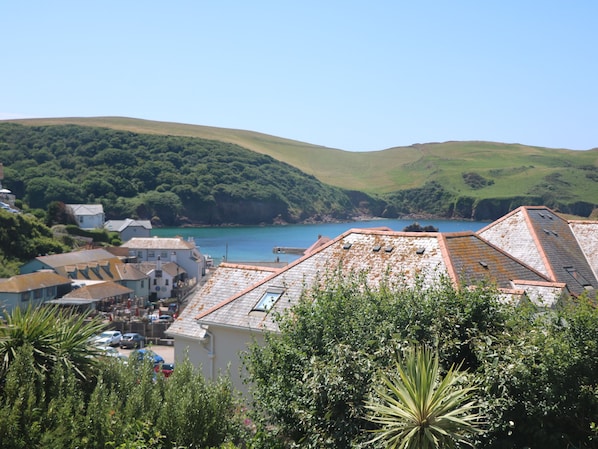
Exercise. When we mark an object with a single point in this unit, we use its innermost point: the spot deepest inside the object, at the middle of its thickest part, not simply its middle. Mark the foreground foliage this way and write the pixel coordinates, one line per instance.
(311, 382)
(57, 392)
(417, 408)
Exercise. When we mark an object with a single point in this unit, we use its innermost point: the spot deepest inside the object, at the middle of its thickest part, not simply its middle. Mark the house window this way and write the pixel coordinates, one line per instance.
(50, 291)
(37, 294)
(151, 254)
(142, 283)
(164, 255)
(268, 300)
(165, 281)
(25, 296)
(155, 281)
(139, 254)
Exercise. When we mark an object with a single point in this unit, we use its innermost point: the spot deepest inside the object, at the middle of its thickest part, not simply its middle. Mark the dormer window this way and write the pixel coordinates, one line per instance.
(267, 300)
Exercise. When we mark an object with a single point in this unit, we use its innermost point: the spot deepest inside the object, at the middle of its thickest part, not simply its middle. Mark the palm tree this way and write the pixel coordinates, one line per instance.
(57, 337)
(417, 409)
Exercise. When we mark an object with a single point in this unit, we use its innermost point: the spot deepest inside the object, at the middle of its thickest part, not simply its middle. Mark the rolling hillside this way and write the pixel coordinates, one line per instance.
(477, 171)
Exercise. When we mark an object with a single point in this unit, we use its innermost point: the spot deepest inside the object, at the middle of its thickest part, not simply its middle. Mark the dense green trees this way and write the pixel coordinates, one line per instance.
(56, 391)
(311, 382)
(23, 237)
(172, 179)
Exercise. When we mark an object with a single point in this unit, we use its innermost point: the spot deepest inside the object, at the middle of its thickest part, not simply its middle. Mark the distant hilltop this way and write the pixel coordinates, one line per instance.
(480, 180)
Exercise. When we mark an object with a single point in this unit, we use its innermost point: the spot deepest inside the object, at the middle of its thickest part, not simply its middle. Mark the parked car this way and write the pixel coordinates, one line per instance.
(167, 369)
(141, 354)
(108, 338)
(165, 319)
(108, 351)
(132, 340)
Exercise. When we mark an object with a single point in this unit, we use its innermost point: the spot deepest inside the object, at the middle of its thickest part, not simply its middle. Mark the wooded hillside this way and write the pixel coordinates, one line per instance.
(172, 180)
(479, 180)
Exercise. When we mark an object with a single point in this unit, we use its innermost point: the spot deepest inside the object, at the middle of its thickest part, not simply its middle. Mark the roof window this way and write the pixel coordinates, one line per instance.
(377, 248)
(388, 249)
(420, 250)
(267, 300)
(347, 245)
(578, 277)
(483, 264)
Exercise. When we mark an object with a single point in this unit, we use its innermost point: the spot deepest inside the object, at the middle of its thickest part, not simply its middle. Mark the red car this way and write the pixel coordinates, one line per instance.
(167, 369)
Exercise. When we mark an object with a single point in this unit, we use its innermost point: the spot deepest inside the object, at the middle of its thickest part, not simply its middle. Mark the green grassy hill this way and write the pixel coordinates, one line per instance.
(476, 170)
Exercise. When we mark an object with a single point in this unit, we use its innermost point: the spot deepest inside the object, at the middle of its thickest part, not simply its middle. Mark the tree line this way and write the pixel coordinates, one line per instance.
(171, 180)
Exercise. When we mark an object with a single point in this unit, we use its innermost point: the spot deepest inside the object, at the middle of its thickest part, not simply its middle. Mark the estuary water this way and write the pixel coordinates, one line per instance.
(257, 243)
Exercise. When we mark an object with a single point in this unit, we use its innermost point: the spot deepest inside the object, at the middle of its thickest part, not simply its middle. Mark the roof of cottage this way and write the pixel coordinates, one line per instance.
(586, 233)
(541, 238)
(75, 257)
(121, 225)
(86, 209)
(401, 258)
(99, 291)
(32, 281)
(102, 270)
(226, 280)
(159, 243)
(472, 260)
(172, 268)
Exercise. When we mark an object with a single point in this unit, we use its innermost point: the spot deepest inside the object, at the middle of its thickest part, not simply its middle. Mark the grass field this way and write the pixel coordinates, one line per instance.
(507, 169)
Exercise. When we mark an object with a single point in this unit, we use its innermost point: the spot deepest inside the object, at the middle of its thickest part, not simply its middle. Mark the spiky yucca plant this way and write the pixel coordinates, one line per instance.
(56, 336)
(416, 408)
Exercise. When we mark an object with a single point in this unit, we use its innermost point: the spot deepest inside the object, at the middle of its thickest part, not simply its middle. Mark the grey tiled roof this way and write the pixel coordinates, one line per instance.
(75, 257)
(586, 233)
(32, 281)
(539, 237)
(399, 257)
(225, 281)
(156, 243)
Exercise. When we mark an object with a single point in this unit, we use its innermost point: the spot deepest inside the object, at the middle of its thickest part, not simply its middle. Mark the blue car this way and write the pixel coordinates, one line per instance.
(142, 354)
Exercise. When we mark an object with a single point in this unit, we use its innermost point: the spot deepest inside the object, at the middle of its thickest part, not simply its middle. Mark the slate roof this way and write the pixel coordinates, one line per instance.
(539, 237)
(472, 260)
(102, 270)
(169, 267)
(75, 257)
(226, 281)
(586, 233)
(402, 258)
(86, 209)
(99, 291)
(121, 225)
(155, 243)
(32, 281)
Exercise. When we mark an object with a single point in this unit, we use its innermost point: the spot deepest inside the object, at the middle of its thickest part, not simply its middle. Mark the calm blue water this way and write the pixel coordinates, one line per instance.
(255, 243)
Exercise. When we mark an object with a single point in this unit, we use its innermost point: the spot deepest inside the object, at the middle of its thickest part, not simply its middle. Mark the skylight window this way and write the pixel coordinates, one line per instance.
(377, 248)
(388, 249)
(578, 276)
(268, 300)
(420, 250)
(347, 246)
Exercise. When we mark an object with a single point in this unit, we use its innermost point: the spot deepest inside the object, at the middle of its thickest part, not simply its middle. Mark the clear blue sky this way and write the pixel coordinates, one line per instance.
(356, 76)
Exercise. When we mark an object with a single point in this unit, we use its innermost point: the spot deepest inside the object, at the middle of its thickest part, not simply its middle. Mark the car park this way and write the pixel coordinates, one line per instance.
(132, 340)
(108, 338)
